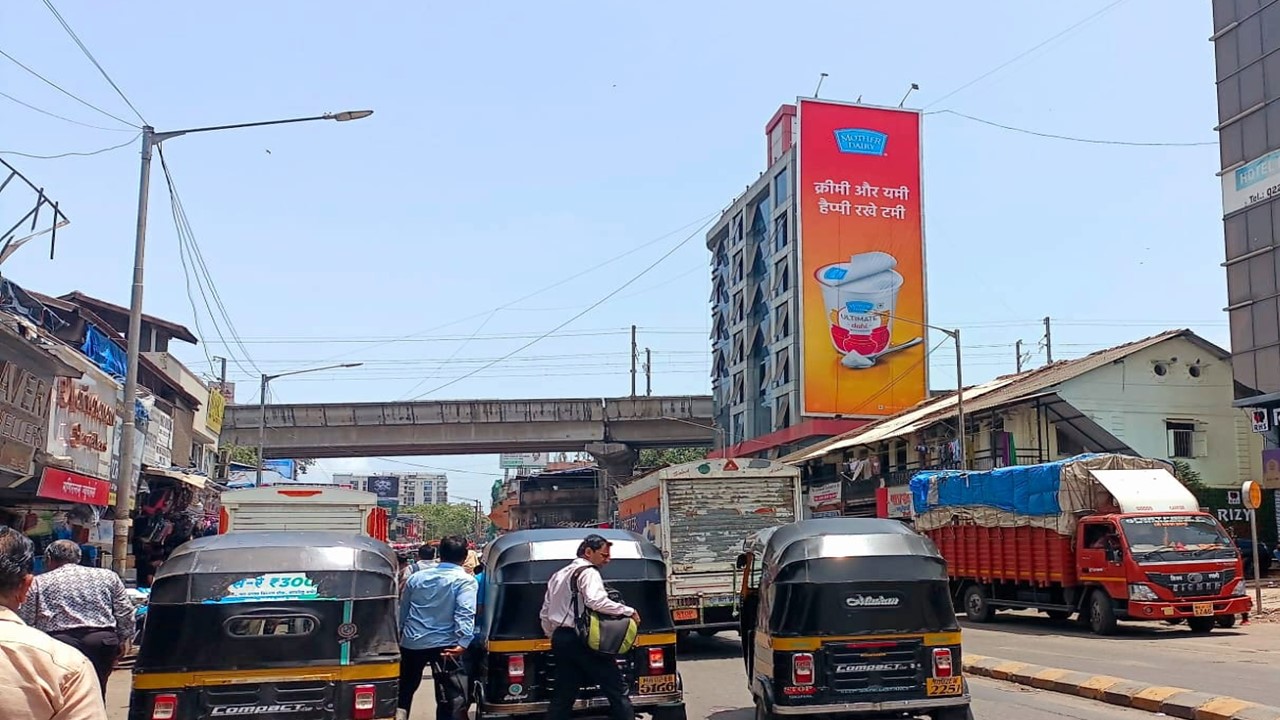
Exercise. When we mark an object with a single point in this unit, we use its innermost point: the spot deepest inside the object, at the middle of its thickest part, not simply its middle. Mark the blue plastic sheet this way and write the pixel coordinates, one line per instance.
(103, 352)
(1021, 489)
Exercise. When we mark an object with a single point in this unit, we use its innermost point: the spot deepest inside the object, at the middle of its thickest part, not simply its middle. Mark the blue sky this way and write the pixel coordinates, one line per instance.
(515, 146)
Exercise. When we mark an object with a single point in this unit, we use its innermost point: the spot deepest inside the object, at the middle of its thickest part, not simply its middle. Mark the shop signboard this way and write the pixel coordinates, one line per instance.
(59, 484)
(516, 461)
(157, 451)
(24, 417)
(1256, 181)
(900, 505)
(215, 411)
(825, 494)
(84, 421)
(862, 270)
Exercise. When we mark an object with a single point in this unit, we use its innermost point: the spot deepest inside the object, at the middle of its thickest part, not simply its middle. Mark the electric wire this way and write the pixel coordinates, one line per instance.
(72, 154)
(1052, 136)
(1025, 53)
(84, 49)
(68, 93)
(578, 315)
(42, 111)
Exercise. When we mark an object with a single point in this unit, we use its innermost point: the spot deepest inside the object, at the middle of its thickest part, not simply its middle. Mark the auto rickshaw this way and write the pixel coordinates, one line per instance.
(269, 625)
(516, 675)
(850, 617)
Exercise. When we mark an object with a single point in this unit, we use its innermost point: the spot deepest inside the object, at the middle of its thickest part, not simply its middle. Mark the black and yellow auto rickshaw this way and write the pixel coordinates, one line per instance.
(271, 625)
(849, 616)
(516, 676)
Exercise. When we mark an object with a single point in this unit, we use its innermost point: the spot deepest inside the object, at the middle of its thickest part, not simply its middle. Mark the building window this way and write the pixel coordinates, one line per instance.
(781, 187)
(780, 233)
(1186, 439)
(1068, 443)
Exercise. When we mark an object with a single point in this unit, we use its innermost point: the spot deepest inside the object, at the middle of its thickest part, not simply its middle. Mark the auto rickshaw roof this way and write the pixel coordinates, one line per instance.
(278, 551)
(562, 544)
(845, 537)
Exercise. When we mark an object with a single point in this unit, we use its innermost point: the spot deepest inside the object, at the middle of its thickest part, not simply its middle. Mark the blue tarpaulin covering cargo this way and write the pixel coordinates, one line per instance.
(1020, 489)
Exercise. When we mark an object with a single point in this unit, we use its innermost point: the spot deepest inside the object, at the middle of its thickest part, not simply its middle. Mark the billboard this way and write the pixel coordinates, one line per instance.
(385, 486)
(862, 268)
(1251, 183)
(515, 461)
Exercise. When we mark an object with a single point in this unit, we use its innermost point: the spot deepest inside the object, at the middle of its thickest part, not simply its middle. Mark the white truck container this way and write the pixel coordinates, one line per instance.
(303, 507)
(698, 514)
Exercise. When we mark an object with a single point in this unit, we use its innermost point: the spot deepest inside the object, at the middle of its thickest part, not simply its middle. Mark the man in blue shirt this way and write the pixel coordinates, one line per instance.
(437, 623)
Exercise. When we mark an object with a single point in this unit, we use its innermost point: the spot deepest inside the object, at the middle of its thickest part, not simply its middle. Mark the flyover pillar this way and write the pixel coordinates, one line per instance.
(617, 462)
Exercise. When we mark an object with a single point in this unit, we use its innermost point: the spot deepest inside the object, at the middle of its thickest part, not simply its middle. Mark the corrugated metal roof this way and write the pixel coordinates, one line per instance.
(1001, 391)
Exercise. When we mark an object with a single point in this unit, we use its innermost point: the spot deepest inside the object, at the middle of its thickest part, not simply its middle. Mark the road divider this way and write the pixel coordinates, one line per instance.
(1172, 701)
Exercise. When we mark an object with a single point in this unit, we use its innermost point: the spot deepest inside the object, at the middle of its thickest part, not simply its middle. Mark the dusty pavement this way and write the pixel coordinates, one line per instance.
(715, 690)
(1243, 662)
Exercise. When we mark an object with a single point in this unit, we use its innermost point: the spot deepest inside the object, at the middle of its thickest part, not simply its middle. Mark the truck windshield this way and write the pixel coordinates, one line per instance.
(1152, 536)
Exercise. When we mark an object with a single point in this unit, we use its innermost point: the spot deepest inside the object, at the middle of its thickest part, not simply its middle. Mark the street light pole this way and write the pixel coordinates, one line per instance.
(125, 482)
(262, 406)
(954, 334)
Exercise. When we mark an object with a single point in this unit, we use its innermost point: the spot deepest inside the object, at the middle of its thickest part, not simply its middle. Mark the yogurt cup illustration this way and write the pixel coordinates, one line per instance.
(860, 296)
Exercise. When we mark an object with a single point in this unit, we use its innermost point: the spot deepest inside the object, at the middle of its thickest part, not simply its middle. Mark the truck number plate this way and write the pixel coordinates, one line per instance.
(656, 684)
(685, 614)
(1202, 609)
(944, 686)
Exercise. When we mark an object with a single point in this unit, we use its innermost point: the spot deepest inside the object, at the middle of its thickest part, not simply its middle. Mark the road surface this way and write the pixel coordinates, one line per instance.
(714, 690)
(1240, 662)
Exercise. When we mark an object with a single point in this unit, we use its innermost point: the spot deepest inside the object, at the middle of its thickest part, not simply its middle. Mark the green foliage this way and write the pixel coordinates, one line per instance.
(440, 520)
(1190, 478)
(671, 456)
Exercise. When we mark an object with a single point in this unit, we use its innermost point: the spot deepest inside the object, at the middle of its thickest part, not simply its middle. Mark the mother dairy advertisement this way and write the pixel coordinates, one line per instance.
(862, 259)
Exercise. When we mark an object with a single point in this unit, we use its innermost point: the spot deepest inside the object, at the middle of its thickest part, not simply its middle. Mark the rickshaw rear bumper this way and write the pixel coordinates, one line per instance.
(892, 706)
(488, 709)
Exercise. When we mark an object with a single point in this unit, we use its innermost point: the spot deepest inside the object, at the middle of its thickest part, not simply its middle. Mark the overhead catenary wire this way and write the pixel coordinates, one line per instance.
(645, 271)
(66, 92)
(87, 53)
(71, 154)
(73, 121)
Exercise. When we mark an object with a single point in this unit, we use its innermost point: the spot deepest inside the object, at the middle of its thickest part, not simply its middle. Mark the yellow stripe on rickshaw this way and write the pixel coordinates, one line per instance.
(541, 644)
(813, 643)
(335, 673)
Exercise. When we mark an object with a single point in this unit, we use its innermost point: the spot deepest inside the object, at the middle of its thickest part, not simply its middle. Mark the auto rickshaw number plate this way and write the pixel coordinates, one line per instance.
(944, 686)
(656, 684)
(685, 614)
(1202, 609)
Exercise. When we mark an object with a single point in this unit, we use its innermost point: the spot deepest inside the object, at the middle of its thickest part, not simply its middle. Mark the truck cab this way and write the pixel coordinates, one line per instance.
(1160, 566)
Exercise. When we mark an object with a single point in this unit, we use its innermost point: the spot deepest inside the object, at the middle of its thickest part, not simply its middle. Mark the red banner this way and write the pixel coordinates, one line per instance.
(58, 484)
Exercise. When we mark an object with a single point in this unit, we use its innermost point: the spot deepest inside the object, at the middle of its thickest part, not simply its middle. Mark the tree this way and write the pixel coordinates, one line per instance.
(248, 455)
(440, 520)
(672, 456)
(1190, 478)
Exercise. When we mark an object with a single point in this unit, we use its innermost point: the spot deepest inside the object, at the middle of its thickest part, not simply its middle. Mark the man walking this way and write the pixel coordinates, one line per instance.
(437, 622)
(40, 678)
(576, 664)
(86, 608)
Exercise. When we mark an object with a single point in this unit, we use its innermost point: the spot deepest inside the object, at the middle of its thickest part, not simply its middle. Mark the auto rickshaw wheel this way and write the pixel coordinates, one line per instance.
(707, 632)
(673, 712)
(953, 713)
(762, 710)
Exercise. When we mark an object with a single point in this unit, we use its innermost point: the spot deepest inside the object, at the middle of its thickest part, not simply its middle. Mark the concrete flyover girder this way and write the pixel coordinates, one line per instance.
(456, 427)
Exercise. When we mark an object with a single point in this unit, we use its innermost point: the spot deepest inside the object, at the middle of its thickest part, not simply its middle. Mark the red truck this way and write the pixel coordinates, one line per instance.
(1110, 537)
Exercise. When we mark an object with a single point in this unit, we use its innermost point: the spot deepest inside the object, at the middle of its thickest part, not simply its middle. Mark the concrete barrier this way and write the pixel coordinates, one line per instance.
(1172, 701)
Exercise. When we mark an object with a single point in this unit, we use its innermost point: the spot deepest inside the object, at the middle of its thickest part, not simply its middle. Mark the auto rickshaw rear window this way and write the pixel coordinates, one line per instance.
(270, 626)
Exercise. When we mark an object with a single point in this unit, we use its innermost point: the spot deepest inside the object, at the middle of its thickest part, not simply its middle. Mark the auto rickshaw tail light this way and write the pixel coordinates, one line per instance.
(366, 697)
(802, 669)
(515, 667)
(657, 659)
(942, 662)
(164, 707)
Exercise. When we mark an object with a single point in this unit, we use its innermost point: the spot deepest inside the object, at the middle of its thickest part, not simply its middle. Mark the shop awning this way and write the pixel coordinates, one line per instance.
(195, 481)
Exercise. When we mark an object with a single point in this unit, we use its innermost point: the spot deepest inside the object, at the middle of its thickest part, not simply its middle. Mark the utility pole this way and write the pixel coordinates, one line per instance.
(964, 451)
(1048, 341)
(635, 355)
(1017, 348)
(648, 372)
(222, 375)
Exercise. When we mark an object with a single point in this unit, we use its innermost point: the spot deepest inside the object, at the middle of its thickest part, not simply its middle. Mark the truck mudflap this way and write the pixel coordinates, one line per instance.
(1209, 607)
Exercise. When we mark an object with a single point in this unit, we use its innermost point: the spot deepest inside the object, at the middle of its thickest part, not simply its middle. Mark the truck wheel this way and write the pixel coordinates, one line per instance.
(976, 607)
(1226, 621)
(1201, 625)
(1102, 614)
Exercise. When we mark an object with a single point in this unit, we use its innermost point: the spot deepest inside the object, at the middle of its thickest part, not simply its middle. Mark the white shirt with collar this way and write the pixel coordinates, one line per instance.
(557, 606)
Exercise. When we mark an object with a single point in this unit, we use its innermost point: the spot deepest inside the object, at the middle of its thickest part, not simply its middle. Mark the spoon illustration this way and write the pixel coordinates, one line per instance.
(856, 361)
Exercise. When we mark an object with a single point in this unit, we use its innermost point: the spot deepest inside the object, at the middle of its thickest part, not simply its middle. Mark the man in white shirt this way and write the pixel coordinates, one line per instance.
(576, 664)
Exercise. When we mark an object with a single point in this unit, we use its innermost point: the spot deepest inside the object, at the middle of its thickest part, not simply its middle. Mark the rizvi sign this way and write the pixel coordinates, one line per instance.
(1251, 183)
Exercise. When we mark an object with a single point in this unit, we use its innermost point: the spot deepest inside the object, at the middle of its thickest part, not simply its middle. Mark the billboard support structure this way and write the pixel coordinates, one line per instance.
(860, 221)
